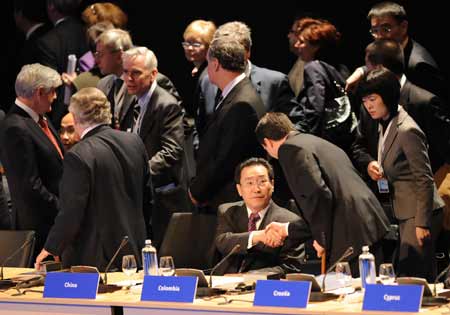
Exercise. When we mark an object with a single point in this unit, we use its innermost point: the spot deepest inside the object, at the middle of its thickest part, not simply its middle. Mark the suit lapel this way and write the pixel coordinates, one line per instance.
(128, 100)
(392, 134)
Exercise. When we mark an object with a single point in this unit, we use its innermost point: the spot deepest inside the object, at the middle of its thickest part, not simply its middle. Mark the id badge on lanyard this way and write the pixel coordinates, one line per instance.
(382, 183)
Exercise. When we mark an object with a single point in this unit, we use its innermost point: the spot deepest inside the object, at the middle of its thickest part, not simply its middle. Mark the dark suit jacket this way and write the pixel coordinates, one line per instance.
(426, 110)
(422, 69)
(274, 89)
(228, 140)
(336, 203)
(68, 37)
(34, 169)
(232, 229)
(126, 111)
(102, 197)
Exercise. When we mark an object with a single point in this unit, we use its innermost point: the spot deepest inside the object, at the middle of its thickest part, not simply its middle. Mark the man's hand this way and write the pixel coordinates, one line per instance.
(275, 234)
(42, 255)
(193, 200)
(319, 249)
(374, 170)
(422, 234)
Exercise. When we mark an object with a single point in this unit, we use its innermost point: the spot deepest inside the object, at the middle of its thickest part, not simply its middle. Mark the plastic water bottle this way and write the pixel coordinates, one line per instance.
(149, 259)
(367, 267)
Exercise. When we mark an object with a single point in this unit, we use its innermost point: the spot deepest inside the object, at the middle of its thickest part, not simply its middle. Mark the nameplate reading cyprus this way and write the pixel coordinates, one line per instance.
(169, 289)
(71, 285)
(282, 293)
(392, 298)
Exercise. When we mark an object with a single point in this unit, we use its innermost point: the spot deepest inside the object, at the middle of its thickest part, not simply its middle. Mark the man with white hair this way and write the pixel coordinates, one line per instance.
(31, 151)
(158, 120)
(103, 189)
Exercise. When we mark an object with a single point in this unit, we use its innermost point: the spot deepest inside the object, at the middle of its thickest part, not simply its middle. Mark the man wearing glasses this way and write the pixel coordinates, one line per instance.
(244, 223)
(388, 20)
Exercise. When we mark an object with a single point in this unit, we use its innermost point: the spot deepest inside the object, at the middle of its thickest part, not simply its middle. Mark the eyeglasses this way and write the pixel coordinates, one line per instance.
(382, 30)
(260, 182)
(193, 44)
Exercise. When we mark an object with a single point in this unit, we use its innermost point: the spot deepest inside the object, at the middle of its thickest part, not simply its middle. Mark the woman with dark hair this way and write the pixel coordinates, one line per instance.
(392, 150)
(317, 43)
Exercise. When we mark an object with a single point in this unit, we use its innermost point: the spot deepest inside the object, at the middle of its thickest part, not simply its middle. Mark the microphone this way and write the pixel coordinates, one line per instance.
(233, 250)
(348, 252)
(13, 255)
(122, 244)
(209, 291)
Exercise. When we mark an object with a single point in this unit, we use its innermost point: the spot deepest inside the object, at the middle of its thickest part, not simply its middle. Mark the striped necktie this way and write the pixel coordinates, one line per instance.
(254, 217)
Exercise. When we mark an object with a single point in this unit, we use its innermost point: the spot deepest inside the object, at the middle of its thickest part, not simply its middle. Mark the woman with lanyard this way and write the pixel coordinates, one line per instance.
(393, 151)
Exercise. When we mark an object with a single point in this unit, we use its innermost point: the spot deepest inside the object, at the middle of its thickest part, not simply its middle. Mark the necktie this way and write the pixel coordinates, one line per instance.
(136, 113)
(218, 99)
(254, 217)
(44, 126)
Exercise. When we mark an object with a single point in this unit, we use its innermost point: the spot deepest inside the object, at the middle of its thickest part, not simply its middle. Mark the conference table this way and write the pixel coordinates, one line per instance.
(128, 302)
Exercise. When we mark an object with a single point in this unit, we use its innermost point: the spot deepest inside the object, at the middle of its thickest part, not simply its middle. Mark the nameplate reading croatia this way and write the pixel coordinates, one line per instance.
(71, 285)
(169, 289)
(282, 293)
(392, 298)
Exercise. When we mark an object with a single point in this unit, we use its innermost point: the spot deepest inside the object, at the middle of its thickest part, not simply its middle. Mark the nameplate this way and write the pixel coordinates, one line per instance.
(71, 285)
(169, 289)
(282, 293)
(392, 298)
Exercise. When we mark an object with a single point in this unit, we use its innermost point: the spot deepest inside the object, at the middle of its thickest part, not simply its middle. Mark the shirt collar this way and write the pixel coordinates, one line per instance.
(145, 98)
(261, 213)
(89, 129)
(32, 29)
(28, 110)
(232, 84)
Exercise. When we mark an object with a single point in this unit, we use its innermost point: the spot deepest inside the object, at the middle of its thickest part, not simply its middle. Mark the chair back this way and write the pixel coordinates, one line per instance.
(11, 241)
(189, 240)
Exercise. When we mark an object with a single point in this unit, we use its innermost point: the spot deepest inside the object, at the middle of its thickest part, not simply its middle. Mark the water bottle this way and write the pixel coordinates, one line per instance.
(367, 267)
(149, 259)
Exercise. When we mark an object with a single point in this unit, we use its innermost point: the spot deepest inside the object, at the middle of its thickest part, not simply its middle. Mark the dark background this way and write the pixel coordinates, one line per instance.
(160, 27)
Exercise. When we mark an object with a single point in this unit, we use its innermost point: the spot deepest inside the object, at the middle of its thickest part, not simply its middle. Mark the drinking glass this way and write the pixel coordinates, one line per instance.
(387, 274)
(129, 266)
(166, 266)
(344, 274)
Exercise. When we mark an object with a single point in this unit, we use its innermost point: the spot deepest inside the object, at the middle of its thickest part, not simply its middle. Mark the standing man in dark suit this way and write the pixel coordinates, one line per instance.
(102, 189)
(109, 48)
(388, 20)
(243, 223)
(159, 123)
(229, 135)
(31, 151)
(67, 37)
(339, 208)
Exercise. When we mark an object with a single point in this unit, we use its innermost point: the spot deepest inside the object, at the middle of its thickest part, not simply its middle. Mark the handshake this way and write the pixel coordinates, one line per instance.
(273, 235)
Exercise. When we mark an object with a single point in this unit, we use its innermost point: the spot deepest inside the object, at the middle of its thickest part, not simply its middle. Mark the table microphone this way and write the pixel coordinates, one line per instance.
(12, 256)
(348, 252)
(210, 291)
(122, 244)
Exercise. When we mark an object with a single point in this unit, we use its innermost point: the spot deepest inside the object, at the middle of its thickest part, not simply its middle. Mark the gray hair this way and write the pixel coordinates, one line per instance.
(229, 52)
(34, 76)
(90, 106)
(150, 60)
(237, 30)
(115, 39)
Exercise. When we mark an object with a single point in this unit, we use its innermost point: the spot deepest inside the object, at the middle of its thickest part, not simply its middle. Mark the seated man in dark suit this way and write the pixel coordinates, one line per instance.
(243, 223)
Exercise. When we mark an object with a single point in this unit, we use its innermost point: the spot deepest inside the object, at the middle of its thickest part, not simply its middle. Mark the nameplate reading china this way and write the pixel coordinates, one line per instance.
(169, 289)
(282, 293)
(71, 285)
(392, 298)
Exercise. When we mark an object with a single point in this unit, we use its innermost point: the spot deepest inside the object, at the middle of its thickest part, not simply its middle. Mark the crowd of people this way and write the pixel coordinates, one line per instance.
(114, 149)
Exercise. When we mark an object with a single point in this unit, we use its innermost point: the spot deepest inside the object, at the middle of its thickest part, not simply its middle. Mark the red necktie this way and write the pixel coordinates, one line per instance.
(254, 217)
(44, 126)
